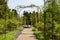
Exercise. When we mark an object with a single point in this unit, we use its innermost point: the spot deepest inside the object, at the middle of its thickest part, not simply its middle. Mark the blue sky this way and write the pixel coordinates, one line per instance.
(13, 3)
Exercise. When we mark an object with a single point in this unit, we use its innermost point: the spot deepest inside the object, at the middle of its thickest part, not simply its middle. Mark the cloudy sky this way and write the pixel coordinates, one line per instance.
(13, 3)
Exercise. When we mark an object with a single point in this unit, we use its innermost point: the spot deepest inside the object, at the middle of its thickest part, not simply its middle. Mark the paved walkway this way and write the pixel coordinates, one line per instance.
(27, 34)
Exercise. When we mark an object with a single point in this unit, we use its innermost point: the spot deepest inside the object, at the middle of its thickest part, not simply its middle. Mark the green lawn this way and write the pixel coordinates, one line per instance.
(10, 35)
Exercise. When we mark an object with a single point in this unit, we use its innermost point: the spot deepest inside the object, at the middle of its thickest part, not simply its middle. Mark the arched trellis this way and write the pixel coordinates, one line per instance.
(20, 8)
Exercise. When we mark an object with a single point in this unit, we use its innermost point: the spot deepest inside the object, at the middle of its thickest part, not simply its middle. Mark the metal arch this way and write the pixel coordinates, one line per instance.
(30, 6)
(20, 8)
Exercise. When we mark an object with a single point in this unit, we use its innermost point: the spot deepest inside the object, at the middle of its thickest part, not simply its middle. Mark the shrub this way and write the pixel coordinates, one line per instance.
(11, 25)
(38, 34)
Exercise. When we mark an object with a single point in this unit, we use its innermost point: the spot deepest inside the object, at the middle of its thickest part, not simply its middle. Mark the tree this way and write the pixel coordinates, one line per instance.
(3, 9)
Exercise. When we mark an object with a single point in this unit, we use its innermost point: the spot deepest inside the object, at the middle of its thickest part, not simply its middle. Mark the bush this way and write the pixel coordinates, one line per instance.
(38, 34)
(11, 35)
(39, 25)
(11, 25)
(1, 29)
(2, 26)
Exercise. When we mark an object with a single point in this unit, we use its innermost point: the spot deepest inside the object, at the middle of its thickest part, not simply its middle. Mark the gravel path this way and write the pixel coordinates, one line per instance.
(27, 34)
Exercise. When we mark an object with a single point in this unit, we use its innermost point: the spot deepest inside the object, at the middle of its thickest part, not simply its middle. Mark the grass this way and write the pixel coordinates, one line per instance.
(11, 35)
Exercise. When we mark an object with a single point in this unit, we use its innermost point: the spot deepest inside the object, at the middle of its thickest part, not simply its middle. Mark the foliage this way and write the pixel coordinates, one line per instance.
(11, 35)
(49, 21)
(9, 19)
(47, 24)
(38, 34)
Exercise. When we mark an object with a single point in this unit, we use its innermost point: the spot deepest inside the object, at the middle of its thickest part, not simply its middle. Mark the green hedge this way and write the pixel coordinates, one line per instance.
(8, 25)
(11, 35)
(38, 34)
